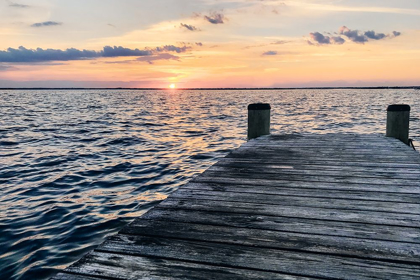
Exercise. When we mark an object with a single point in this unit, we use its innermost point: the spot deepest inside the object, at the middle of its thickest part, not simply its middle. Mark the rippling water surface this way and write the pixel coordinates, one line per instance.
(76, 166)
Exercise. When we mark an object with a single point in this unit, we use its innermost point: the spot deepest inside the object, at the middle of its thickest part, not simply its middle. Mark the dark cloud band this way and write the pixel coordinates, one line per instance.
(17, 5)
(326, 40)
(46, 24)
(24, 55)
(353, 35)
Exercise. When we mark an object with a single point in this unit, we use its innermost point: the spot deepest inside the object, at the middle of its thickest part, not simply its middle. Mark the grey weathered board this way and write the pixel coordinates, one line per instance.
(334, 206)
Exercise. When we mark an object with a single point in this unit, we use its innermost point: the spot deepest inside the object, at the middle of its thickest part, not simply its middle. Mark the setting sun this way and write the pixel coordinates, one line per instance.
(172, 86)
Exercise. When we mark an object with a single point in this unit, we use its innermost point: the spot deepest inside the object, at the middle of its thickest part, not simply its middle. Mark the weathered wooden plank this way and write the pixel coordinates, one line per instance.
(232, 168)
(330, 138)
(333, 214)
(327, 141)
(256, 190)
(124, 266)
(371, 143)
(327, 147)
(403, 169)
(302, 147)
(264, 259)
(320, 202)
(270, 157)
(311, 177)
(302, 242)
(327, 163)
(327, 144)
(68, 276)
(374, 145)
(323, 186)
(262, 153)
(287, 224)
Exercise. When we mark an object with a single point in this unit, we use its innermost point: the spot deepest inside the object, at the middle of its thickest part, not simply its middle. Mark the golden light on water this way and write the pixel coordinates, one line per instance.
(172, 86)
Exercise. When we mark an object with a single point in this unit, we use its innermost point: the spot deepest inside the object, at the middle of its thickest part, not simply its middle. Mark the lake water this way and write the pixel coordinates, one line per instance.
(77, 165)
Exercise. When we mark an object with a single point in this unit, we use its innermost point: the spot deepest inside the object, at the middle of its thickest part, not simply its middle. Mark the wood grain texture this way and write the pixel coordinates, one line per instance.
(287, 224)
(294, 207)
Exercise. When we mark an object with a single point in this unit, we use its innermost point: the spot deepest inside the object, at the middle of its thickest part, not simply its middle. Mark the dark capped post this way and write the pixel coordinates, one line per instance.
(258, 120)
(398, 121)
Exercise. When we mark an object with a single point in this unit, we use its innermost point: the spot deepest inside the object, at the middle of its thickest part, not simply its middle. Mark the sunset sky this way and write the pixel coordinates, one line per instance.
(209, 43)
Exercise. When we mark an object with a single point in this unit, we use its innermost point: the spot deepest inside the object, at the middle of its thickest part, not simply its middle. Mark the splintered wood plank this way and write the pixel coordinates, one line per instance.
(294, 207)
(280, 161)
(334, 214)
(138, 266)
(322, 243)
(345, 202)
(323, 186)
(233, 168)
(273, 154)
(264, 259)
(217, 189)
(312, 177)
(68, 276)
(287, 224)
(408, 169)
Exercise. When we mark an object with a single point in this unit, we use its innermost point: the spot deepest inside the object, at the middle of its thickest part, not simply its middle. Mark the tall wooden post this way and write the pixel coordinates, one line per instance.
(398, 122)
(258, 120)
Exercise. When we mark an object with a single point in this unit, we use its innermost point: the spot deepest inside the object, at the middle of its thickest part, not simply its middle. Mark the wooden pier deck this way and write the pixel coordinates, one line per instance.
(335, 206)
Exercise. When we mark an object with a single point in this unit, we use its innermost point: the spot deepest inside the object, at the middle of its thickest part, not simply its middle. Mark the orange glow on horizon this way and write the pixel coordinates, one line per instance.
(172, 86)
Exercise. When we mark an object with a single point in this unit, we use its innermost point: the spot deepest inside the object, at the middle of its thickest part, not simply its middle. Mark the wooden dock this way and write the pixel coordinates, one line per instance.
(334, 206)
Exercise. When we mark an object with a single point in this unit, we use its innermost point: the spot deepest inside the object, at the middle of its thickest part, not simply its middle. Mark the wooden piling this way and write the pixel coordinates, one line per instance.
(258, 120)
(398, 122)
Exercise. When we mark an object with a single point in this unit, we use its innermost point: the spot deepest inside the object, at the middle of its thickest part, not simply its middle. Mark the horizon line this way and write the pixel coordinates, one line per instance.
(220, 88)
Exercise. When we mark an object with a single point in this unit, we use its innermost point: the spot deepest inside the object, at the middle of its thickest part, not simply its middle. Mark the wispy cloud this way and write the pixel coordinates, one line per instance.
(215, 18)
(280, 42)
(270, 53)
(46, 23)
(24, 55)
(360, 9)
(17, 5)
(172, 48)
(189, 27)
(7, 68)
(149, 59)
(162, 56)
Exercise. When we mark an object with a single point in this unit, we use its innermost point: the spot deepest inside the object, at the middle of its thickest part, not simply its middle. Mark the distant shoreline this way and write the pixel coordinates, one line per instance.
(291, 88)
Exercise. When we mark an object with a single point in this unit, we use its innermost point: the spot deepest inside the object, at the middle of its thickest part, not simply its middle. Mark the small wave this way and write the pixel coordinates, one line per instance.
(88, 140)
(8, 143)
(152, 124)
(202, 156)
(47, 129)
(124, 141)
